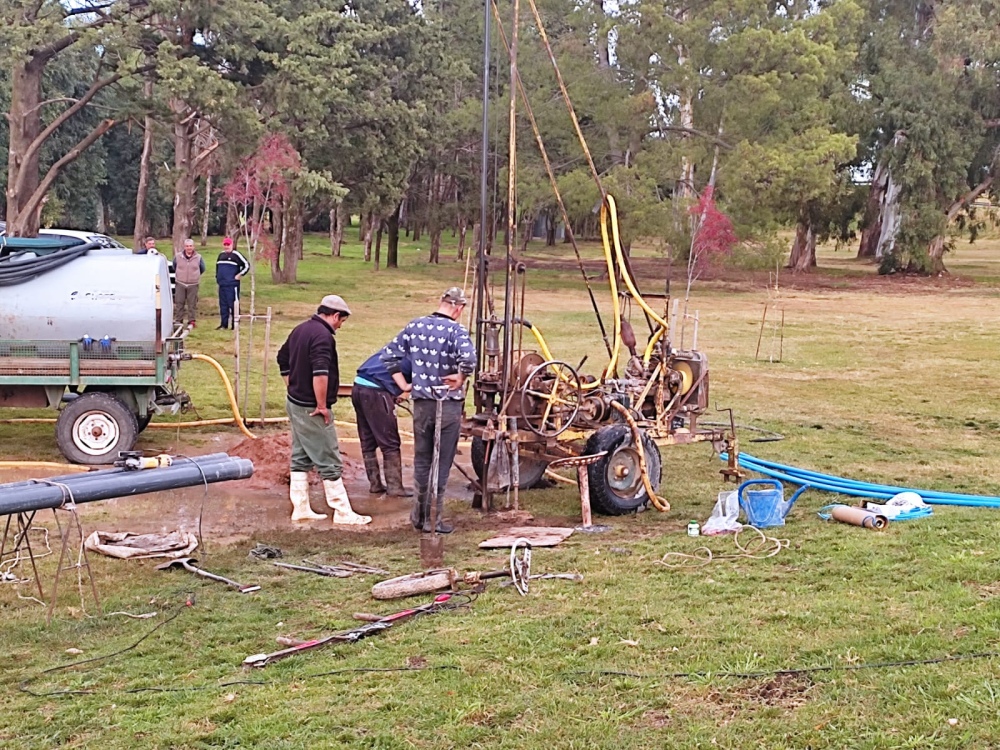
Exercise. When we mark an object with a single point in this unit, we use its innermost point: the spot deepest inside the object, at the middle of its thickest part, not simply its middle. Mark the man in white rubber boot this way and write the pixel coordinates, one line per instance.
(308, 363)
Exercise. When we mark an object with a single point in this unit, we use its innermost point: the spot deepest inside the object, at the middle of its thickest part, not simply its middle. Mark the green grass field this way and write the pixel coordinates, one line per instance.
(889, 380)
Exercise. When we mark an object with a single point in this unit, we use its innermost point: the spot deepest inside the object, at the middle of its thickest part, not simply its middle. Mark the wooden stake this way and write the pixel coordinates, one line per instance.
(267, 356)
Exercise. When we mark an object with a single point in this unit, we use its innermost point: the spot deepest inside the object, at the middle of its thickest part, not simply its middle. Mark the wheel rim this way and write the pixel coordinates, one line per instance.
(623, 474)
(95, 433)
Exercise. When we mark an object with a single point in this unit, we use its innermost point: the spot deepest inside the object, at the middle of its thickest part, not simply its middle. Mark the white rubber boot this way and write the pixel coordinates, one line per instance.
(336, 498)
(298, 492)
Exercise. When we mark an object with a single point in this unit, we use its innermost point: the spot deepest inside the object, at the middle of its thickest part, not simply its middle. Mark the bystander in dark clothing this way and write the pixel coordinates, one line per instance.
(374, 396)
(229, 269)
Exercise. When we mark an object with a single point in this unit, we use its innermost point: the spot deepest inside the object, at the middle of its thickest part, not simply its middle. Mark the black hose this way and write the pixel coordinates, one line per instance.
(14, 269)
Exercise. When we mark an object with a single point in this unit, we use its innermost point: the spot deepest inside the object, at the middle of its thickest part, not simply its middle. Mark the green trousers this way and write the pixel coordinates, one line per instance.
(185, 302)
(314, 443)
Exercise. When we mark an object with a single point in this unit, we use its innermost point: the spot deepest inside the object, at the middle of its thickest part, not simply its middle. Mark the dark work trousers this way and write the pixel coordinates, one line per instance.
(377, 425)
(227, 303)
(423, 446)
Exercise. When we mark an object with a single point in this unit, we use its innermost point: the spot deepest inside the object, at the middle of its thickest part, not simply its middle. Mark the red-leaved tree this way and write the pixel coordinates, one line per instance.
(713, 237)
(259, 191)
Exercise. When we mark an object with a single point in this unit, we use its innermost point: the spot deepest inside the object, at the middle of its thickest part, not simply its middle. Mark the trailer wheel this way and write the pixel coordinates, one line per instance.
(530, 471)
(616, 486)
(143, 422)
(94, 428)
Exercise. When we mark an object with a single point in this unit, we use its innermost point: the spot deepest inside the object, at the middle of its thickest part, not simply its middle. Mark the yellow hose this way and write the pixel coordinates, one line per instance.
(609, 206)
(42, 465)
(657, 335)
(613, 211)
(229, 392)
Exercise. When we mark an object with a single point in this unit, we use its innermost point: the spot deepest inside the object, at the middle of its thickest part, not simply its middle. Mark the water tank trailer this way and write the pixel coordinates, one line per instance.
(87, 330)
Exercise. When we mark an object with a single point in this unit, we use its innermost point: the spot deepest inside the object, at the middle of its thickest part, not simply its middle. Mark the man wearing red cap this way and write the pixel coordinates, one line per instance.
(229, 269)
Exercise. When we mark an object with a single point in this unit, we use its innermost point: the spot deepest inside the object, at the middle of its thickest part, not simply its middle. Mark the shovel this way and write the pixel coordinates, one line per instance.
(188, 564)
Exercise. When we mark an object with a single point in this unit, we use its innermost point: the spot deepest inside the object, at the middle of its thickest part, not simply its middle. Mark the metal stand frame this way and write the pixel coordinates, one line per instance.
(20, 540)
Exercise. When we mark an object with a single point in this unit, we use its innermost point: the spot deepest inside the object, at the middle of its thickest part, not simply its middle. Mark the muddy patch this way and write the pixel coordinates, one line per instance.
(786, 691)
(271, 453)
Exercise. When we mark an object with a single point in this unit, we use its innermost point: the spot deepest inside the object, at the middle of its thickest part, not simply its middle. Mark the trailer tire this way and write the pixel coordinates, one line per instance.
(530, 471)
(94, 427)
(143, 422)
(610, 493)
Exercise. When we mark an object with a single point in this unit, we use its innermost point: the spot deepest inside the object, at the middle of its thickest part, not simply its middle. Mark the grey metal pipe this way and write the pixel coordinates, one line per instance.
(82, 478)
(46, 494)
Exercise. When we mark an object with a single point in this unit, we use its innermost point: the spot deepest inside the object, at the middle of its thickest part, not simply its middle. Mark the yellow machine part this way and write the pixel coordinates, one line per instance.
(687, 377)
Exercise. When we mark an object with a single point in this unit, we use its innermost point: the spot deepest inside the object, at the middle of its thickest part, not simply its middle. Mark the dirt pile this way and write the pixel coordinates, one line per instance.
(270, 454)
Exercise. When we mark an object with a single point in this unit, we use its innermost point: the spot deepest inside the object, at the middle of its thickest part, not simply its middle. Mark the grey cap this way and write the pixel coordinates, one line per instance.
(455, 296)
(336, 303)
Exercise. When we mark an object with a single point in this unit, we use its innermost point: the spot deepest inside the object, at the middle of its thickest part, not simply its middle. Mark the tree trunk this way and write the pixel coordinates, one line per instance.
(337, 229)
(936, 249)
(528, 231)
(185, 179)
(463, 227)
(435, 252)
(378, 246)
(935, 254)
(392, 241)
(872, 222)
(604, 65)
(142, 228)
(550, 230)
(368, 223)
(293, 228)
(102, 213)
(892, 218)
(232, 222)
(278, 240)
(25, 126)
(206, 210)
(803, 257)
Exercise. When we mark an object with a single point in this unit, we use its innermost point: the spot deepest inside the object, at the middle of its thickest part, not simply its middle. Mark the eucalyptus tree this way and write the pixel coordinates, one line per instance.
(34, 36)
(930, 73)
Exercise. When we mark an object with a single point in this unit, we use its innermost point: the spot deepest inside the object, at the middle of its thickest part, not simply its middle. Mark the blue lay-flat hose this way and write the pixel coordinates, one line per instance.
(853, 488)
(831, 479)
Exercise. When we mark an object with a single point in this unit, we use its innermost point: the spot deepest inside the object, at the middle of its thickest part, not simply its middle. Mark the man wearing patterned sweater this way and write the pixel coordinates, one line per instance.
(441, 353)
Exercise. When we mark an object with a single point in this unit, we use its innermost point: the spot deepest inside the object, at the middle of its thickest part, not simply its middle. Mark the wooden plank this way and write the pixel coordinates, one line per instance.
(537, 536)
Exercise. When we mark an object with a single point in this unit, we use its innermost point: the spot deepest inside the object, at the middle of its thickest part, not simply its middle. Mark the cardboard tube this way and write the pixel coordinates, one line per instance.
(859, 517)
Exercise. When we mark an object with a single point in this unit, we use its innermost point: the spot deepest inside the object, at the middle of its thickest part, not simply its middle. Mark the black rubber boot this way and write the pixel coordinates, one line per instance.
(394, 475)
(443, 526)
(374, 475)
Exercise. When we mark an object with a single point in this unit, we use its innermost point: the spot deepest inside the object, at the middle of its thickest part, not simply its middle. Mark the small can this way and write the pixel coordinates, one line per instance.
(694, 529)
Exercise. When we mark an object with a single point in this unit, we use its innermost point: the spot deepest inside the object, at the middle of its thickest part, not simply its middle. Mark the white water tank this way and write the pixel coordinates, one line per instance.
(107, 292)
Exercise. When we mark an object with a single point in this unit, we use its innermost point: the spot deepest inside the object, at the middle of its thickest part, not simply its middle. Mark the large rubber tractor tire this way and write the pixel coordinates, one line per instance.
(94, 427)
(530, 471)
(616, 486)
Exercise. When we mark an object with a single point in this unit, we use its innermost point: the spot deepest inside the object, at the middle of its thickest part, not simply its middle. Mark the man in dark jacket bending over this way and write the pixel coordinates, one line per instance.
(442, 355)
(375, 395)
(310, 368)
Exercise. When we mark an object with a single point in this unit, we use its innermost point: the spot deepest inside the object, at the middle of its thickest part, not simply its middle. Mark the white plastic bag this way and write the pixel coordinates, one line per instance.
(725, 515)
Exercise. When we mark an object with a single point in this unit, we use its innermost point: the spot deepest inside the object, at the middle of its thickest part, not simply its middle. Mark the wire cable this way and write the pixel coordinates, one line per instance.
(790, 671)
